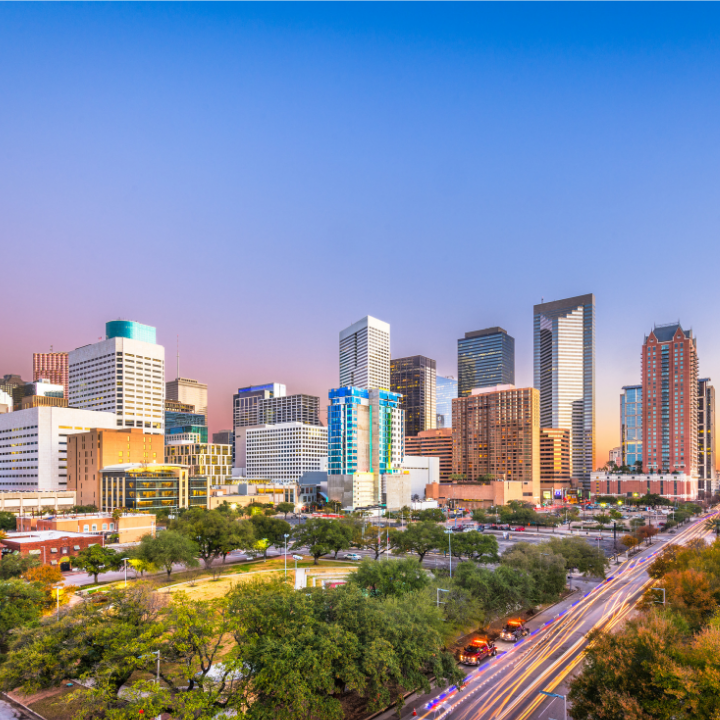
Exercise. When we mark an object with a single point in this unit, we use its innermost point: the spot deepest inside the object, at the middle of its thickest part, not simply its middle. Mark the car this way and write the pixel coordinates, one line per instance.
(353, 556)
(520, 529)
(476, 651)
(481, 528)
(514, 629)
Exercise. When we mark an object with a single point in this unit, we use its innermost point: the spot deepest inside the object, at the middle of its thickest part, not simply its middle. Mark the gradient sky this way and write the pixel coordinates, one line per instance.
(254, 178)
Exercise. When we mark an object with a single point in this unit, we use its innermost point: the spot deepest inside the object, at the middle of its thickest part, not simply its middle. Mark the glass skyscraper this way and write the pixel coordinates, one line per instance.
(485, 358)
(564, 373)
(414, 379)
(631, 426)
(446, 388)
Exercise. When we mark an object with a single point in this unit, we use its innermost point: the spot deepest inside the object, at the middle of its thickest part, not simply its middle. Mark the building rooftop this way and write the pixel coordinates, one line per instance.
(485, 332)
(43, 535)
(665, 333)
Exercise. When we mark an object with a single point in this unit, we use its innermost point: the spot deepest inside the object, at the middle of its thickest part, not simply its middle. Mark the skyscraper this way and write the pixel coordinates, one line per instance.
(121, 375)
(706, 436)
(670, 387)
(414, 378)
(485, 358)
(446, 390)
(564, 373)
(188, 391)
(365, 354)
(631, 425)
(51, 366)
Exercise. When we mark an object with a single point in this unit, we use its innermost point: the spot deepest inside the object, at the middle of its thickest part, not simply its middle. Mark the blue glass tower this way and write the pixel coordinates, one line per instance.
(485, 358)
(631, 426)
(131, 330)
(446, 389)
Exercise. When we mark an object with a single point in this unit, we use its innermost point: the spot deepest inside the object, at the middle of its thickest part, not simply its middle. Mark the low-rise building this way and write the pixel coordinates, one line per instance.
(211, 460)
(51, 547)
(249, 490)
(673, 486)
(22, 503)
(555, 464)
(475, 494)
(129, 527)
(421, 471)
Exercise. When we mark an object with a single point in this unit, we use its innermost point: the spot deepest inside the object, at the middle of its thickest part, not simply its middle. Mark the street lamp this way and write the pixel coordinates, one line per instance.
(449, 533)
(555, 695)
(57, 592)
(286, 536)
(662, 590)
(439, 590)
(125, 559)
(296, 558)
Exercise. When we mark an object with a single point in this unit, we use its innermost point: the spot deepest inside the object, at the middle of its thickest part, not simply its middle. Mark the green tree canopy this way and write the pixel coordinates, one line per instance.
(96, 559)
(166, 549)
(547, 570)
(7, 520)
(14, 565)
(285, 508)
(432, 515)
(21, 604)
(271, 529)
(215, 533)
(319, 535)
(474, 545)
(579, 555)
(421, 538)
(390, 577)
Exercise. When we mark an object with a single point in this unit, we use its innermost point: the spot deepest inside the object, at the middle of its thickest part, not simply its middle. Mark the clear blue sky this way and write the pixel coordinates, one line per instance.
(256, 177)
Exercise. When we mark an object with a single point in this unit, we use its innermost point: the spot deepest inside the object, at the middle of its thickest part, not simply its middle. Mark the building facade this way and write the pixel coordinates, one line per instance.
(281, 453)
(53, 367)
(413, 378)
(434, 444)
(707, 473)
(422, 471)
(247, 401)
(91, 451)
(485, 358)
(555, 477)
(51, 547)
(189, 392)
(446, 390)
(496, 434)
(365, 354)
(130, 330)
(564, 374)
(122, 375)
(670, 407)
(631, 424)
(32, 503)
(615, 456)
(209, 460)
(34, 445)
(130, 527)
(673, 486)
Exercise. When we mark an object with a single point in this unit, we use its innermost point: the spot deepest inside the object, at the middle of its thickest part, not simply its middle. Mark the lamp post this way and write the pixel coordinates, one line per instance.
(439, 590)
(449, 533)
(662, 590)
(57, 593)
(555, 695)
(125, 559)
(286, 536)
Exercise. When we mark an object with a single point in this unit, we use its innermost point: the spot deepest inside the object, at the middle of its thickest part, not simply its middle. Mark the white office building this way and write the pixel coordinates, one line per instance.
(421, 471)
(186, 390)
(33, 445)
(122, 375)
(365, 354)
(280, 452)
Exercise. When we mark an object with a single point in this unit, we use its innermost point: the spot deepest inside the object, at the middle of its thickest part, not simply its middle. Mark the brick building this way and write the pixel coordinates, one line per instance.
(51, 547)
(672, 486)
(433, 443)
(130, 527)
(555, 463)
(472, 495)
(52, 366)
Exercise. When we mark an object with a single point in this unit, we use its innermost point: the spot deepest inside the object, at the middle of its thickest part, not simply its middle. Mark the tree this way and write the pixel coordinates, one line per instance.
(602, 519)
(285, 508)
(271, 529)
(432, 515)
(614, 514)
(7, 520)
(579, 555)
(645, 532)
(166, 549)
(629, 541)
(317, 535)
(546, 570)
(14, 565)
(391, 577)
(21, 604)
(479, 516)
(475, 545)
(713, 524)
(421, 538)
(95, 560)
(212, 531)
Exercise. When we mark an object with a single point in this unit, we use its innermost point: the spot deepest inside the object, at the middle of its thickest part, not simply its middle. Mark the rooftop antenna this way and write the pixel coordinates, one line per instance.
(177, 372)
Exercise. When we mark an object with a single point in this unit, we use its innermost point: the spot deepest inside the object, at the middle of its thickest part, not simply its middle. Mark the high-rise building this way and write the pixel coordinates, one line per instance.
(485, 358)
(436, 443)
(14, 386)
(706, 436)
(6, 402)
(246, 403)
(365, 354)
(615, 456)
(40, 393)
(34, 444)
(52, 366)
(210, 460)
(564, 369)
(130, 330)
(91, 451)
(224, 437)
(555, 478)
(446, 390)
(496, 432)
(282, 452)
(414, 379)
(121, 375)
(188, 391)
(631, 425)
(670, 386)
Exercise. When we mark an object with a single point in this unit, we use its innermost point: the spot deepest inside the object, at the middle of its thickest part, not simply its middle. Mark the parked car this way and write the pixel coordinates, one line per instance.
(481, 528)
(520, 529)
(514, 629)
(352, 556)
(478, 649)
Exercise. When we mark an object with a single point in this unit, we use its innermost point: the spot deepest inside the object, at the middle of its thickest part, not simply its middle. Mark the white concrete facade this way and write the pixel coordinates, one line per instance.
(189, 391)
(123, 376)
(33, 445)
(421, 471)
(365, 354)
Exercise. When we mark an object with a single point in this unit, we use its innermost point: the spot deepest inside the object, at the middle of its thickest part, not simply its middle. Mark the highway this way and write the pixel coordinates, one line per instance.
(508, 687)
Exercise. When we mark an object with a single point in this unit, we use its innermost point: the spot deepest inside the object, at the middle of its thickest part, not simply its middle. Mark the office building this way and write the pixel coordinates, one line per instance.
(130, 330)
(40, 393)
(471, 495)
(707, 479)
(281, 453)
(673, 486)
(246, 403)
(446, 390)
(178, 407)
(190, 392)
(366, 444)
(421, 471)
(123, 375)
(631, 424)
(52, 367)
(496, 436)
(6, 402)
(555, 479)
(249, 491)
(91, 451)
(365, 354)
(209, 460)
(413, 378)
(151, 487)
(486, 358)
(224, 437)
(181, 434)
(615, 456)
(564, 370)
(14, 386)
(34, 444)
(32, 503)
(434, 444)
(670, 407)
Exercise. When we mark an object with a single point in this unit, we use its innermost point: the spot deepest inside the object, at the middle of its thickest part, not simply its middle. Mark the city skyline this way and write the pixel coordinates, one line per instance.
(404, 144)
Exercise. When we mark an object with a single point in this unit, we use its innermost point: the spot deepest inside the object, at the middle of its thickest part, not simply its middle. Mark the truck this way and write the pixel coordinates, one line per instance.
(477, 650)
(514, 629)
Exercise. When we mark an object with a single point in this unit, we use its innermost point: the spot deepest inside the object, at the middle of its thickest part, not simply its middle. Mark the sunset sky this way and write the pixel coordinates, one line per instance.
(256, 177)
